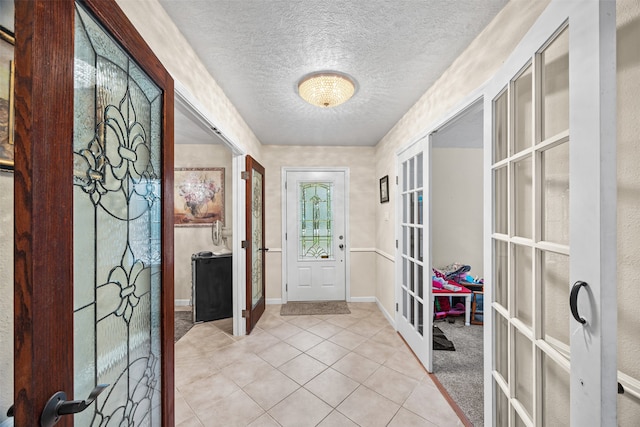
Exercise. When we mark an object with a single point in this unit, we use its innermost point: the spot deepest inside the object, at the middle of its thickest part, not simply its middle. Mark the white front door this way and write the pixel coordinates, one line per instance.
(414, 311)
(551, 216)
(315, 237)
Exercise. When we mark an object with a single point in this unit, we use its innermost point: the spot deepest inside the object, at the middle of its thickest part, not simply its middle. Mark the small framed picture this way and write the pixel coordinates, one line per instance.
(384, 189)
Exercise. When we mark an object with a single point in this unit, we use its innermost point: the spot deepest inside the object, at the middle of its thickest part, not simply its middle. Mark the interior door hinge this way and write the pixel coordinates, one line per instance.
(396, 306)
(396, 179)
(396, 243)
(285, 185)
(244, 175)
(286, 287)
(245, 244)
(285, 236)
(245, 313)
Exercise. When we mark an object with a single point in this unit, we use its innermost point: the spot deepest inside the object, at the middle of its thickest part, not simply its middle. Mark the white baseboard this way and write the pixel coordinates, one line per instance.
(269, 301)
(182, 302)
(386, 314)
(363, 299)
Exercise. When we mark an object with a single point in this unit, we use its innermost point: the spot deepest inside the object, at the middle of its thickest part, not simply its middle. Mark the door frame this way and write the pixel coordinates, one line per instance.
(347, 249)
(44, 278)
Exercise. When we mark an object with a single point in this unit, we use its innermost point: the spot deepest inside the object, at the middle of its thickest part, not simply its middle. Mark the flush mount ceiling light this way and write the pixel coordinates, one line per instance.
(326, 89)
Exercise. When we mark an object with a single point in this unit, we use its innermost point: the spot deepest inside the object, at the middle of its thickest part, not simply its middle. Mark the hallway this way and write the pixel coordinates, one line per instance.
(333, 370)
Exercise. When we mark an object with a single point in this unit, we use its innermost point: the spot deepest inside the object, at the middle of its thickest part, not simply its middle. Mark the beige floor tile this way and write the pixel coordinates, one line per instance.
(206, 391)
(342, 320)
(377, 352)
(237, 409)
(325, 330)
(264, 421)
(347, 339)
(284, 331)
(391, 384)
(270, 320)
(302, 368)
(226, 356)
(279, 354)
(429, 403)
(336, 419)
(331, 386)
(258, 341)
(327, 352)
(185, 375)
(182, 409)
(270, 389)
(304, 322)
(300, 409)
(247, 370)
(388, 337)
(367, 408)
(365, 328)
(190, 422)
(356, 367)
(407, 364)
(304, 340)
(406, 418)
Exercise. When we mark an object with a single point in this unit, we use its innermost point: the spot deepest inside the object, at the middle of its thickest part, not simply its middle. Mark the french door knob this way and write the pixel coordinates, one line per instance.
(58, 405)
(573, 301)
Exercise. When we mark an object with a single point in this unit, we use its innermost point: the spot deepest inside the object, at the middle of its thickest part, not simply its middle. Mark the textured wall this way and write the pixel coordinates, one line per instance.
(468, 72)
(189, 240)
(362, 201)
(628, 112)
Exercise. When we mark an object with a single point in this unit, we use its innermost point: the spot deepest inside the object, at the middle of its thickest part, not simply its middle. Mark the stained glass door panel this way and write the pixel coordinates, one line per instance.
(101, 279)
(255, 289)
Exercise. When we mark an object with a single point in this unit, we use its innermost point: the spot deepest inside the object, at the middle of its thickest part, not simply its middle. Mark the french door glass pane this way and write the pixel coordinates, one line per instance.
(555, 291)
(523, 373)
(555, 86)
(501, 273)
(555, 194)
(523, 107)
(502, 347)
(117, 219)
(256, 240)
(501, 202)
(523, 191)
(501, 127)
(555, 393)
(523, 284)
(502, 407)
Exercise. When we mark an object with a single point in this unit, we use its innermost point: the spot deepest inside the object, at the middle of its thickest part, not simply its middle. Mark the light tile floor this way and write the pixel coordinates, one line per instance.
(341, 370)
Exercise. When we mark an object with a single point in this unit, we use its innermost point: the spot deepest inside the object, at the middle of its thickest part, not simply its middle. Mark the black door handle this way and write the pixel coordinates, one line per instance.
(10, 411)
(573, 301)
(263, 249)
(58, 405)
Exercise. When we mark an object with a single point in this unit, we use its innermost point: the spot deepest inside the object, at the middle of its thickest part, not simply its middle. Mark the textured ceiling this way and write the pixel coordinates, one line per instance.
(257, 50)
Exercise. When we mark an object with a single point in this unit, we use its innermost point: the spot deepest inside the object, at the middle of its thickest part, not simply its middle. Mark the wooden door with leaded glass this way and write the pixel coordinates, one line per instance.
(414, 311)
(550, 114)
(94, 176)
(255, 243)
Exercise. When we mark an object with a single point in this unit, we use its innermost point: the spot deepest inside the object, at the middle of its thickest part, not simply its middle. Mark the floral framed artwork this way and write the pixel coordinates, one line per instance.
(198, 195)
(6, 99)
(384, 189)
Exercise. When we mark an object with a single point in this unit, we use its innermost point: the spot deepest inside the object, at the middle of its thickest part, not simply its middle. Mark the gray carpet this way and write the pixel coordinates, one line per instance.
(461, 371)
(183, 322)
(316, 307)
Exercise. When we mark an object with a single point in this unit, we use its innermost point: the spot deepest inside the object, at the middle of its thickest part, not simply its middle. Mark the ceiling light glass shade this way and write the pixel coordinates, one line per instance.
(326, 90)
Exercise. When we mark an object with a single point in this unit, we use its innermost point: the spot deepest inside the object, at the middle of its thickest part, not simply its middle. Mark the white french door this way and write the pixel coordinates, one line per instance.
(551, 179)
(414, 311)
(315, 239)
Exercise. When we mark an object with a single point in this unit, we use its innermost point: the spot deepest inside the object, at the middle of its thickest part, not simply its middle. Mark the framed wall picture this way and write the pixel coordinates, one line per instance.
(198, 195)
(384, 189)
(6, 99)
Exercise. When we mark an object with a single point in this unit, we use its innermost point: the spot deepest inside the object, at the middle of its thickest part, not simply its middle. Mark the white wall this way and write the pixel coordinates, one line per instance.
(190, 240)
(456, 207)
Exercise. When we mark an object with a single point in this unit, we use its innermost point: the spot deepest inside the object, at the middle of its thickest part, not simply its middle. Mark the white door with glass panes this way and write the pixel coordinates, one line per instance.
(550, 341)
(315, 238)
(413, 308)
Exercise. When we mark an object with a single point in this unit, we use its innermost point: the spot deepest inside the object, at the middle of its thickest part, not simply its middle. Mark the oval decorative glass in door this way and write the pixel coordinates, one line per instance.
(117, 231)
